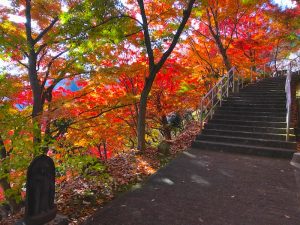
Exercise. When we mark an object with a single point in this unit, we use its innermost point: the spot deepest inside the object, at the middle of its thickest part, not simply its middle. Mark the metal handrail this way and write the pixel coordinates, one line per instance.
(216, 94)
(231, 82)
(289, 96)
(288, 103)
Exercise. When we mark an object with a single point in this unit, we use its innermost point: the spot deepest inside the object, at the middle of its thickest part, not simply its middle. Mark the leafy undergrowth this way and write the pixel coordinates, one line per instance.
(78, 197)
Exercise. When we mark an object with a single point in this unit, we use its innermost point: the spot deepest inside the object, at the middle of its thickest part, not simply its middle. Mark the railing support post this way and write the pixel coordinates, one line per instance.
(238, 85)
(233, 89)
(227, 85)
(200, 114)
(221, 93)
(288, 101)
(212, 104)
(211, 99)
(242, 81)
(288, 126)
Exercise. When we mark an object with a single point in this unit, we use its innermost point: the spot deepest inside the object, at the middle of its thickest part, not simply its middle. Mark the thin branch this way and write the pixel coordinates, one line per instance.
(131, 17)
(23, 64)
(49, 67)
(103, 112)
(131, 34)
(46, 30)
(146, 34)
(41, 48)
(41, 59)
(186, 15)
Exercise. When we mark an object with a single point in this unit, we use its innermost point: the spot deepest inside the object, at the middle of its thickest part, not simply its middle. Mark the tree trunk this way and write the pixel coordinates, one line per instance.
(154, 67)
(142, 121)
(275, 58)
(165, 129)
(223, 52)
(99, 151)
(34, 81)
(105, 150)
(47, 136)
(37, 101)
(143, 108)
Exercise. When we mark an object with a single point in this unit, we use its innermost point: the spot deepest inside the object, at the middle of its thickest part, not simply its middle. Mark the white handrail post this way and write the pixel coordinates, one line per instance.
(243, 80)
(288, 125)
(238, 86)
(221, 92)
(200, 114)
(233, 81)
(212, 104)
(228, 85)
(288, 101)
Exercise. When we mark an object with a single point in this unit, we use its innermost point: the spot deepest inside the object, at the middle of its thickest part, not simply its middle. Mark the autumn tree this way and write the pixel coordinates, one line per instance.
(50, 46)
(155, 64)
(218, 21)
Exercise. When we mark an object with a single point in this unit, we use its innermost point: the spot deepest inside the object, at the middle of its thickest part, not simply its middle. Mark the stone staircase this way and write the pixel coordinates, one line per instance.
(251, 122)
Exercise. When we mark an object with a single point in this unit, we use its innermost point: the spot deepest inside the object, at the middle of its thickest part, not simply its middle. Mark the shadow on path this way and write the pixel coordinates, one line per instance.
(211, 188)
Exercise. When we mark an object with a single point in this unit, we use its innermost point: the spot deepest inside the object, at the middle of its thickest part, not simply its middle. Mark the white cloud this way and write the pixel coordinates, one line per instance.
(286, 3)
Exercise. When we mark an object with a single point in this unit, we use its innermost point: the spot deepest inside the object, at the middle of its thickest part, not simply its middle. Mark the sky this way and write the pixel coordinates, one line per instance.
(285, 3)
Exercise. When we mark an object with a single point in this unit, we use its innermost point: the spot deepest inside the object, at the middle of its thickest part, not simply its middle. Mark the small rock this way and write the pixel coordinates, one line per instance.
(164, 148)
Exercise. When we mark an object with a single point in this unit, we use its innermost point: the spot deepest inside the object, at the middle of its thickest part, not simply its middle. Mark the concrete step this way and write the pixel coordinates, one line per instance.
(241, 117)
(263, 89)
(262, 95)
(249, 113)
(254, 105)
(244, 92)
(256, 108)
(262, 92)
(249, 123)
(263, 98)
(248, 141)
(260, 129)
(252, 97)
(255, 100)
(281, 137)
(244, 149)
(267, 84)
(252, 121)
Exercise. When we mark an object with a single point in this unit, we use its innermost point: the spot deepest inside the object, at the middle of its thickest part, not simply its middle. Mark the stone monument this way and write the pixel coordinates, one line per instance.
(40, 191)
